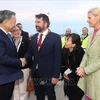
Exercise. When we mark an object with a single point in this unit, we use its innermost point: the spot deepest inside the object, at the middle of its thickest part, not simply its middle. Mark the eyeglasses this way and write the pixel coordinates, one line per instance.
(15, 31)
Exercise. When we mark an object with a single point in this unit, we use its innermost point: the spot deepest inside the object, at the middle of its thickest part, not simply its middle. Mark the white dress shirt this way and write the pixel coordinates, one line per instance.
(44, 35)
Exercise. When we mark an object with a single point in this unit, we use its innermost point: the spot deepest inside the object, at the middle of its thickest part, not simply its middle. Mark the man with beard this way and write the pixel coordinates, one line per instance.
(46, 50)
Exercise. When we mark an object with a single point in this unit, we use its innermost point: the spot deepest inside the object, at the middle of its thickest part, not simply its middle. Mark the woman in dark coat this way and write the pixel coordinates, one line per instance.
(72, 54)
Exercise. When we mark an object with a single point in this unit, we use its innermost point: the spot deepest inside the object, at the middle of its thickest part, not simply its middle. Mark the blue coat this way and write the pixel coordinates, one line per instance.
(48, 58)
(10, 65)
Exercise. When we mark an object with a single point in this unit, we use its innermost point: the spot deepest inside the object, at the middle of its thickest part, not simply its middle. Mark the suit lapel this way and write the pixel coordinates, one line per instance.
(7, 39)
(45, 41)
(35, 41)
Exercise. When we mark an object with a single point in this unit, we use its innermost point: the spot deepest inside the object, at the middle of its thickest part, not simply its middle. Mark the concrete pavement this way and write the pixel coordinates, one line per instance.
(59, 93)
(58, 90)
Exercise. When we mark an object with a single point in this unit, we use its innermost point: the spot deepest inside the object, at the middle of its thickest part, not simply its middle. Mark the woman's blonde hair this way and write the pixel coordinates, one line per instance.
(95, 11)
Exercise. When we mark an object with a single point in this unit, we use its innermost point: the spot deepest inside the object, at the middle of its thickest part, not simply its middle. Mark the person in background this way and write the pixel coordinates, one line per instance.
(45, 47)
(63, 40)
(89, 69)
(21, 44)
(10, 65)
(72, 54)
(23, 33)
(84, 37)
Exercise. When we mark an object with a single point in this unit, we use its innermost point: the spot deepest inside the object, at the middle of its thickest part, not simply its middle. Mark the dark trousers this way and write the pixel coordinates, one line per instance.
(40, 91)
(43, 86)
(6, 91)
(74, 93)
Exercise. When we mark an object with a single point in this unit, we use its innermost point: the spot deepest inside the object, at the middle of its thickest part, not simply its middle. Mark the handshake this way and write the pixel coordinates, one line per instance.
(23, 60)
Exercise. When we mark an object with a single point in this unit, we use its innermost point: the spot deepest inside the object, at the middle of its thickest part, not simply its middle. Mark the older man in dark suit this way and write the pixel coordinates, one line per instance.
(45, 47)
(9, 63)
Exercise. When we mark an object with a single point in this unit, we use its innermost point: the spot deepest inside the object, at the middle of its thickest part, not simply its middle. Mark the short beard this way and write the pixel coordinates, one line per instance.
(38, 29)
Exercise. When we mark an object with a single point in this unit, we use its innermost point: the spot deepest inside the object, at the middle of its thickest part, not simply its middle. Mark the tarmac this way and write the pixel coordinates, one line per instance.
(58, 90)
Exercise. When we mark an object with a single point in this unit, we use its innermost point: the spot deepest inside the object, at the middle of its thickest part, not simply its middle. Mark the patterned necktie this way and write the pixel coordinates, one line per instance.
(40, 41)
(10, 38)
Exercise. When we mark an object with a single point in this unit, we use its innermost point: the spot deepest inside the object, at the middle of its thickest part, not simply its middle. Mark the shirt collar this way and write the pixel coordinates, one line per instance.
(3, 30)
(84, 35)
(45, 32)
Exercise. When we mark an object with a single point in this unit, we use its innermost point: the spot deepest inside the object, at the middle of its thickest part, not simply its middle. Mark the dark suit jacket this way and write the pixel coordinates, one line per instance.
(25, 34)
(9, 63)
(48, 57)
(23, 49)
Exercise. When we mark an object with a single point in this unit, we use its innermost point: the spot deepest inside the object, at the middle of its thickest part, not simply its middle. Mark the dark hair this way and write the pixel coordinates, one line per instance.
(6, 14)
(19, 24)
(75, 40)
(44, 17)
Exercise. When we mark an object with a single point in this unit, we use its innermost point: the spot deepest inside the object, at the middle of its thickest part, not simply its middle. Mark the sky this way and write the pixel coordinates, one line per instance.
(62, 13)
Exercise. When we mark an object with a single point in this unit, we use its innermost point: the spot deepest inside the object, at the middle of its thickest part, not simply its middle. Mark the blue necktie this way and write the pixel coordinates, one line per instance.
(10, 38)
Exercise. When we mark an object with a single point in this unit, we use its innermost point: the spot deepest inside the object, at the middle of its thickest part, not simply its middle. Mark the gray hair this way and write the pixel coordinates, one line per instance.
(6, 14)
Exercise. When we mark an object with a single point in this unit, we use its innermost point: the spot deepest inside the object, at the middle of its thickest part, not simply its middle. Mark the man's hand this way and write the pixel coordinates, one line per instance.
(23, 60)
(54, 80)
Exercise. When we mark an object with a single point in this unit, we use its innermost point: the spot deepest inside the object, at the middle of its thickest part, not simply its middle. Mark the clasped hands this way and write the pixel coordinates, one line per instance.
(80, 71)
(23, 60)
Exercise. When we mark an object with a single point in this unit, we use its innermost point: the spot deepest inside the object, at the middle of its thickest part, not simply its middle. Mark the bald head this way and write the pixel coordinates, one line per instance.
(68, 31)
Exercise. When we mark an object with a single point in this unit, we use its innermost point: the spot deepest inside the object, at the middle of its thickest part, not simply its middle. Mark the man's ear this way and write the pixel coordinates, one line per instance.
(5, 21)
